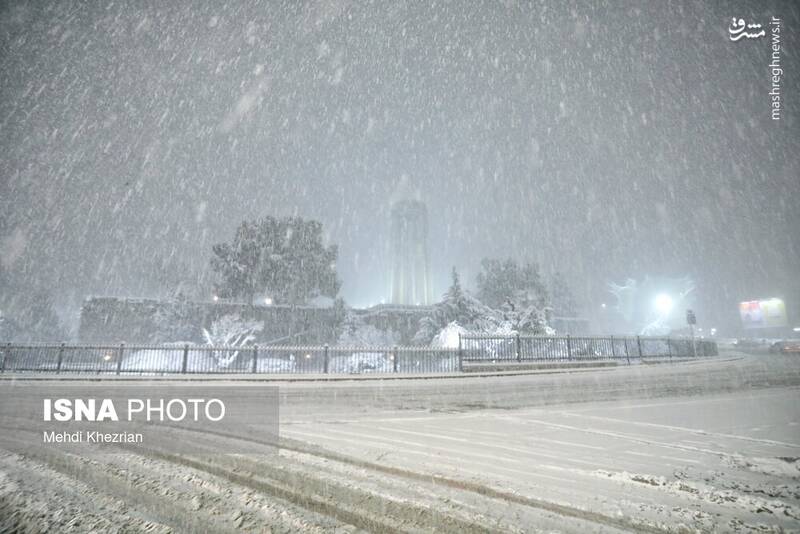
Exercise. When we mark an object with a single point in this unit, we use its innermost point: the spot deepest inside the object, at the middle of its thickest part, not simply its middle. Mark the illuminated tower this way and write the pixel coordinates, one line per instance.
(411, 281)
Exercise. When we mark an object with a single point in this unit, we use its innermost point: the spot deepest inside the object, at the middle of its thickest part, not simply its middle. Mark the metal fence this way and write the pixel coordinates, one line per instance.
(569, 348)
(183, 358)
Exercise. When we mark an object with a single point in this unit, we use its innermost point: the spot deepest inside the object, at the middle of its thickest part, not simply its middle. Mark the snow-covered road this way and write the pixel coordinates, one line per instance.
(724, 461)
(707, 445)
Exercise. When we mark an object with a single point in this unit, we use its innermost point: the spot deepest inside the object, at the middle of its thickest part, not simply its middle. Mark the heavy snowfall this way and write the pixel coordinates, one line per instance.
(512, 266)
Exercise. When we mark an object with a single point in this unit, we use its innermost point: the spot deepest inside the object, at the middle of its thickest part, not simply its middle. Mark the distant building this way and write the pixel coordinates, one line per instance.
(410, 280)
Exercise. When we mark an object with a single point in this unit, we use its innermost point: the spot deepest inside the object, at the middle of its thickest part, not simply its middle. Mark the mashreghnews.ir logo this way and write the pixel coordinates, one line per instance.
(739, 29)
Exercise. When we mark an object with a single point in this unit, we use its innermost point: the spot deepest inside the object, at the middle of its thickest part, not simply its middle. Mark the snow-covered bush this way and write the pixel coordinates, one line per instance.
(356, 332)
(230, 331)
(448, 337)
(474, 318)
(225, 340)
(170, 360)
(361, 362)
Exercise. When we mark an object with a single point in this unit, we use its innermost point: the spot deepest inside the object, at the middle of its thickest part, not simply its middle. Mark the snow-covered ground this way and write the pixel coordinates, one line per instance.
(712, 446)
(717, 462)
(701, 446)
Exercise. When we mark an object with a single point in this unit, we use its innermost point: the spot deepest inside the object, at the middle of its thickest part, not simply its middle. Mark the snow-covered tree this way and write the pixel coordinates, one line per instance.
(283, 258)
(506, 283)
(460, 311)
(530, 320)
(459, 306)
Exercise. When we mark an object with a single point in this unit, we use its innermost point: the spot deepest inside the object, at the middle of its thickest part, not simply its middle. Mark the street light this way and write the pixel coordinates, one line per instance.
(663, 304)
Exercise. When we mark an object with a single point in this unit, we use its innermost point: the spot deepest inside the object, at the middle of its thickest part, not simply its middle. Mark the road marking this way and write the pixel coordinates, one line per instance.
(660, 456)
(628, 437)
(559, 455)
(609, 405)
(527, 436)
(684, 429)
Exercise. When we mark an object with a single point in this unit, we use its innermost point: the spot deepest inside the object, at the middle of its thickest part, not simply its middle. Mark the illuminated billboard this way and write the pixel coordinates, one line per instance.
(768, 313)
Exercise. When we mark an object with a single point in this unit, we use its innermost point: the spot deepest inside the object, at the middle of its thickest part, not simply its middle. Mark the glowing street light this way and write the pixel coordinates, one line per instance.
(268, 301)
(663, 304)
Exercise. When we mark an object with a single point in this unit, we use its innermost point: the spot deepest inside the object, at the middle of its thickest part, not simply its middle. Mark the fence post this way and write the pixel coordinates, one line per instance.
(613, 349)
(60, 358)
(460, 355)
(669, 349)
(325, 359)
(254, 363)
(394, 358)
(519, 348)
(185, 363)
(119, 357)
(627, 352)
(639, 346)
(569, 347)
(6, 356)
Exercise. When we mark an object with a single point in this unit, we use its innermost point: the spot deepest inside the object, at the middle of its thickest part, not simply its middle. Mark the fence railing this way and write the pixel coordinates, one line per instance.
(569, 348)
(184, 358)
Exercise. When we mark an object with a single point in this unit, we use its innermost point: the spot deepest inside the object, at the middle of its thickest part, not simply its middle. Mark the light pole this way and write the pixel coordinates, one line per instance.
(691, 320)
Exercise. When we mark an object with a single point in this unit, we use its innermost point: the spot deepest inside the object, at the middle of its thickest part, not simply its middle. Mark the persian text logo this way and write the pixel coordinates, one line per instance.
(740, 29)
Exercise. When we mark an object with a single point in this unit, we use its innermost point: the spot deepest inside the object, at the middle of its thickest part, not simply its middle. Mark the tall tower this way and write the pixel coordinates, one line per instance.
(411, 281)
